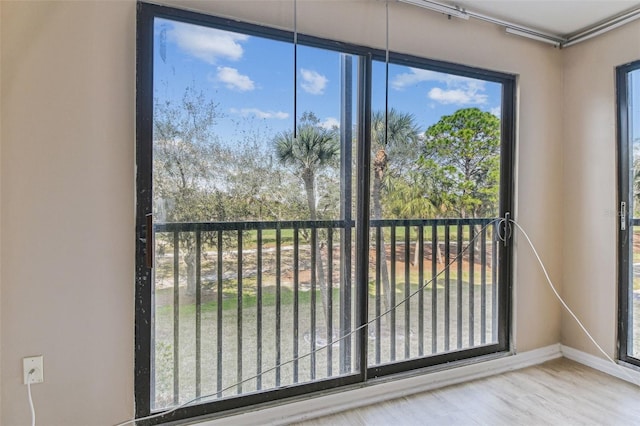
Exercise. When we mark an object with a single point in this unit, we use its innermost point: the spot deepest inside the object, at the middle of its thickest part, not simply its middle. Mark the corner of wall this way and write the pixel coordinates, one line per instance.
(589, 186)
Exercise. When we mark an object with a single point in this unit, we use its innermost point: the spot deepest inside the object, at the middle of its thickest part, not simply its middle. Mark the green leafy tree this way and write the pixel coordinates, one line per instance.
(461, 158)
(394, 142)
(258, 187)
(313, 151)
(407, 199)
(184, 149)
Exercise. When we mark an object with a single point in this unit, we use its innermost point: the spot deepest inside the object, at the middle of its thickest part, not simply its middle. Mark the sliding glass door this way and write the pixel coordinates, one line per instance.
(310, 215)
(628, 85)
(436, 149)
(250, 214)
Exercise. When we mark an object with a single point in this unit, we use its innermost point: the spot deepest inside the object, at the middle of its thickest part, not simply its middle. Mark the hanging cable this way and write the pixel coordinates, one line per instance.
(295, 69)
(500, 222)
(333, 342)
(31, 407)
(386, 80)
(566, 307)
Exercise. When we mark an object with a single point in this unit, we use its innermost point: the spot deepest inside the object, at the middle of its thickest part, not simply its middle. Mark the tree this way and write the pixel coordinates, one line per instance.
(312, 151)
(184, 147)
(393, 143)
(461, 157)
(407, 199)
(257, 187)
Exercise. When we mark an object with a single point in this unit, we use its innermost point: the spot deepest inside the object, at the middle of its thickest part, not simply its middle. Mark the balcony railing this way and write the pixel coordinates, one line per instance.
(275, 301)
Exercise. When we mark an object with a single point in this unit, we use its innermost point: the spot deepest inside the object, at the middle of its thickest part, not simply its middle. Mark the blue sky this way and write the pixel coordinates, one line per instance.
(251, 80)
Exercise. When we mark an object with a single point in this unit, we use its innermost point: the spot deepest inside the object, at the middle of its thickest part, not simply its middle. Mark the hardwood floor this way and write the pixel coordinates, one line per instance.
(559, 392)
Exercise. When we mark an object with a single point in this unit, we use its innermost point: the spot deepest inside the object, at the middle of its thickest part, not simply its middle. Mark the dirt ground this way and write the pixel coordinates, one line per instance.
(209, 290)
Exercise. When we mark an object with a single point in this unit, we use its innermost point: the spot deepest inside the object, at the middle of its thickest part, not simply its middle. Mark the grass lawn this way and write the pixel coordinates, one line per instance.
(415, 332)
(230, 356)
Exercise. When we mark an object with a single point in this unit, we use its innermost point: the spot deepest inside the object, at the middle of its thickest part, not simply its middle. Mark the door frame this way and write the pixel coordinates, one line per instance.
(625, 221)
(143, 361)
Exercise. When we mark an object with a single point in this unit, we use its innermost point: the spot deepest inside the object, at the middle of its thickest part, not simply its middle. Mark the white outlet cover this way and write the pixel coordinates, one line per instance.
(35, 362)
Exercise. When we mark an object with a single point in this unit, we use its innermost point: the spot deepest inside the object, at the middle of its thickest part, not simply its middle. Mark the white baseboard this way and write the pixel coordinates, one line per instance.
(382, 391)
(601, 364)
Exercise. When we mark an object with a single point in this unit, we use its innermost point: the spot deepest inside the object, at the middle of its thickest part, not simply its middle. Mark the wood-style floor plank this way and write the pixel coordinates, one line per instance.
(559, 392)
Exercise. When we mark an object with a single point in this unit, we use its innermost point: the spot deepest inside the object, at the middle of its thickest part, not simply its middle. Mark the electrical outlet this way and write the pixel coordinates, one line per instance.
(35, 363)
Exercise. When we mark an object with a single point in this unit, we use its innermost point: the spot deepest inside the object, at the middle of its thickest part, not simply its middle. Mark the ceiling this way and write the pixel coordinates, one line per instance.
(560, 17)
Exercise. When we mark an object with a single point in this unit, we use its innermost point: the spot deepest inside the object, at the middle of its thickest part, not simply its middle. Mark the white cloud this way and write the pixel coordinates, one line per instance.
(234, 80)
(496, 111)
(401, 81)
(456, 96)
(329, 123)
(258, 113)
(458, 90)
(416, 75)
(313, 82)
(207, 44)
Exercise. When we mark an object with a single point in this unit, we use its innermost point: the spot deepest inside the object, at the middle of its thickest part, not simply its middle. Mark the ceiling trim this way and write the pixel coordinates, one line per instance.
(603, 27)
(556, 40)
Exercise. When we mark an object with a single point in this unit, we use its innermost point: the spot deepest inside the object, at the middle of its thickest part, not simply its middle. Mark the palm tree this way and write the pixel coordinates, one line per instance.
(313, 150)
(407, 198)
(310, 152)
(394, 140)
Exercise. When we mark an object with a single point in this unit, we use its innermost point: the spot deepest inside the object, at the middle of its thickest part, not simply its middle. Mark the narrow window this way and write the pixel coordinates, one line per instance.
(628, 85)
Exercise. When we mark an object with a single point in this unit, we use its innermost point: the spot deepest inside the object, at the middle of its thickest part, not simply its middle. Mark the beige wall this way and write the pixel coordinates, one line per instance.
(67, 209)
(67, 174)
(590, 224)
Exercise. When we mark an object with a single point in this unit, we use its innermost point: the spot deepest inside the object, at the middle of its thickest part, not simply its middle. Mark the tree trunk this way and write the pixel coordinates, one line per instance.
(379, 167)
(476, 244)
(190, 261)
(309, 186)
(438, 253)
(416, 254)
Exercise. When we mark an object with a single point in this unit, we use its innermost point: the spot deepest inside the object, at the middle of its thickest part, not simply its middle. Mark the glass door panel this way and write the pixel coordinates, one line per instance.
(253, 268)
(435, 196)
